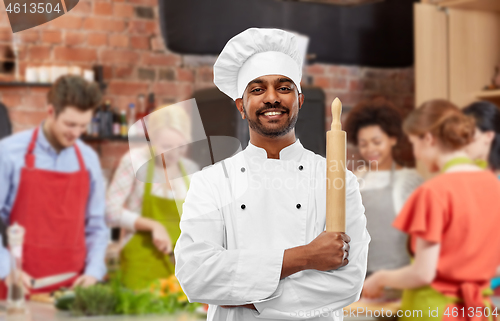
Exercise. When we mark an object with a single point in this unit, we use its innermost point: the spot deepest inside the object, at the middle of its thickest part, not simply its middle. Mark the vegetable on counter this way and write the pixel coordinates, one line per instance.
(163, 296)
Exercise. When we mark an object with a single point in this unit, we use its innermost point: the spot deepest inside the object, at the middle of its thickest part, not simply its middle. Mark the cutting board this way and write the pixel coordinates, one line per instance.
(42, 298)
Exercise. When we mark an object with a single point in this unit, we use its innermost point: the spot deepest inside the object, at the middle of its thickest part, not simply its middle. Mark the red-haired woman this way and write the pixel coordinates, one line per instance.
(452, 221)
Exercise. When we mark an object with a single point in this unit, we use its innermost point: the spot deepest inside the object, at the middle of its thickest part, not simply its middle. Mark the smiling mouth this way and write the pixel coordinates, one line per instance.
(272, 113)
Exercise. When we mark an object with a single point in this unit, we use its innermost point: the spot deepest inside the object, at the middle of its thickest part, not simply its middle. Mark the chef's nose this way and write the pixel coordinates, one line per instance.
(271, 96)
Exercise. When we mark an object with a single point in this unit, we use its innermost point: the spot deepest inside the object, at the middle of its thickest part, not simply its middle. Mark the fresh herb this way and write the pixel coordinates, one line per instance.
(163, 296)
(94, 300)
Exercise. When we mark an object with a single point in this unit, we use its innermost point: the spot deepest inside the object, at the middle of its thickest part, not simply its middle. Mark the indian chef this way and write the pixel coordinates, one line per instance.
(52, 185)
(253, 243)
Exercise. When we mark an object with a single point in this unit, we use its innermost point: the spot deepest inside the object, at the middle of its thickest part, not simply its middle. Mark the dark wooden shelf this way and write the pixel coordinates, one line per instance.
(103, 86)
(491, 95)
(24, 84)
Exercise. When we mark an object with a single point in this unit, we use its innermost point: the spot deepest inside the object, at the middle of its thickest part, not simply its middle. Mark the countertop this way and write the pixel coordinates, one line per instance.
(47, 312)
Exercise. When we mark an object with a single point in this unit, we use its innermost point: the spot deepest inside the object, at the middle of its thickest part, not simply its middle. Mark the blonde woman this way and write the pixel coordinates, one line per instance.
(148, 212)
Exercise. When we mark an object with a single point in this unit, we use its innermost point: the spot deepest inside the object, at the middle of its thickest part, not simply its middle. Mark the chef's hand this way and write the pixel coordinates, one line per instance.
(26, 279)
(374, 286)
(84, 281)
(161, 239)
(248, 306)
(326, 251)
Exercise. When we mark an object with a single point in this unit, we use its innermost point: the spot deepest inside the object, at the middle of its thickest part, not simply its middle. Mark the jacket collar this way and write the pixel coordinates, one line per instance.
(290, 152)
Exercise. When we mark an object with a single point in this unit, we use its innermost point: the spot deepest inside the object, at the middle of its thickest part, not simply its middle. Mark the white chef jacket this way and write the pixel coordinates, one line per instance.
(238, 218)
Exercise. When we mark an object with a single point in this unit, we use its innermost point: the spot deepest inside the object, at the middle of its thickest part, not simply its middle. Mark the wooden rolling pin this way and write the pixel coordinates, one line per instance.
(335, 172)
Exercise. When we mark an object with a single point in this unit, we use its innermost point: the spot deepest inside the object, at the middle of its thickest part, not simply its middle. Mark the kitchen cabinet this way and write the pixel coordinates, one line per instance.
(457, 46)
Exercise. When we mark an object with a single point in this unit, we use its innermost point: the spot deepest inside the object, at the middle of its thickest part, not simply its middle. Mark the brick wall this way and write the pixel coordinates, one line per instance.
(124, 37)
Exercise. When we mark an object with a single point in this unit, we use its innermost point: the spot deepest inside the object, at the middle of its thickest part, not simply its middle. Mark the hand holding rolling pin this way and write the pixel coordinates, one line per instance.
(332, 246)
(330, 249)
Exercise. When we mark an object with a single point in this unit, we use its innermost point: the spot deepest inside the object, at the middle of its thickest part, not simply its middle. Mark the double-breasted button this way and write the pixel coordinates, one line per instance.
(298, 205)
(243, 206)
(301, 167)
(243, 169)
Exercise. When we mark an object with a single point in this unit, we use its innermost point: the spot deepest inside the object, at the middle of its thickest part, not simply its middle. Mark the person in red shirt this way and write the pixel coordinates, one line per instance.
(452, 221)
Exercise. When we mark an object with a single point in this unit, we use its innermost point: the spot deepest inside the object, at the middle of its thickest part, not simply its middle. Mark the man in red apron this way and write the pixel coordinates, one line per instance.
(51, 184)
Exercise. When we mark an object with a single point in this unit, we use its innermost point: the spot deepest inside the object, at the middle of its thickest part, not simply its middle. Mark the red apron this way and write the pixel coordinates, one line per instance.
(51, 207)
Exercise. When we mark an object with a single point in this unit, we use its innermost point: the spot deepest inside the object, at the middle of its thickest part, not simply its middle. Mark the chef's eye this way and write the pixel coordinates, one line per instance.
(284, 88)
(256, 90)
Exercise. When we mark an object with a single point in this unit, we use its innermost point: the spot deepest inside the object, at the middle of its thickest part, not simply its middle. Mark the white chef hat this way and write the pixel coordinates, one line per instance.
(259, 52)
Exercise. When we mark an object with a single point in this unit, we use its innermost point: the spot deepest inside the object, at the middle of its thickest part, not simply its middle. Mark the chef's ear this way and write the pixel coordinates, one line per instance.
(239, 105)
(301, 100)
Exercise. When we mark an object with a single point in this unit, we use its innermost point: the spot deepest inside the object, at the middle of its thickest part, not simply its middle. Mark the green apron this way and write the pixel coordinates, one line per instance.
(141, 263)
(426, 298)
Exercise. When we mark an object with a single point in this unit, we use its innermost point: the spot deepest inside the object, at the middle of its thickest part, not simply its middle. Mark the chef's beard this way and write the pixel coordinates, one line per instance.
(257, 125)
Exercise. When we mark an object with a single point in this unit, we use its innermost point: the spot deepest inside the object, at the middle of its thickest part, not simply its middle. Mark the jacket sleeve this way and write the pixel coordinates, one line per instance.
(206, 270)
(313, 293)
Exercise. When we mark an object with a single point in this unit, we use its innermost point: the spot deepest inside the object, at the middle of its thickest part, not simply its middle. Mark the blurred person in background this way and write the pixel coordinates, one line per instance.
(452, 220)
(375, 128)
(485, 148)
(147, 212)
(52, 185)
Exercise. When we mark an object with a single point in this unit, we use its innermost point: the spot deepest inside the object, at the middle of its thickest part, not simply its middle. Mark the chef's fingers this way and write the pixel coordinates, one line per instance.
(345, 262)
(345, 237)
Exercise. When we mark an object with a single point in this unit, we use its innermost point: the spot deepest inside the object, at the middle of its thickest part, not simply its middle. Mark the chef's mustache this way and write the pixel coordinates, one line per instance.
(270, 107)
